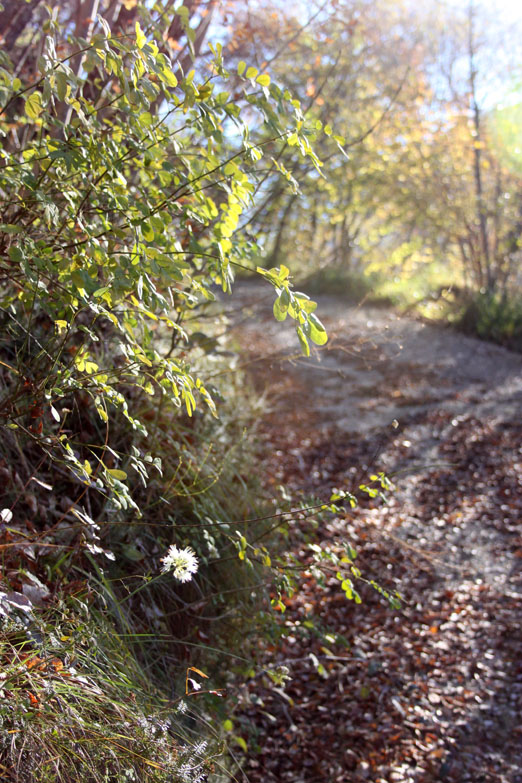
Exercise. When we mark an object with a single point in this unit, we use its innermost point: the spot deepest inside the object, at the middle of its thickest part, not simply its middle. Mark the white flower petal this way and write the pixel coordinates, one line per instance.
(182, 562)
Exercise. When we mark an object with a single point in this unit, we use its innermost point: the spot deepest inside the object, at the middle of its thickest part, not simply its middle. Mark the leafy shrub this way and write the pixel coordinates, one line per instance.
(121, 222)
(492, 317)
(122, 182)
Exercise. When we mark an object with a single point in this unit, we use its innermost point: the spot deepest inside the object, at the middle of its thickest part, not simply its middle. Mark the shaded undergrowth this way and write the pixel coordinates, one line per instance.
(111, 669)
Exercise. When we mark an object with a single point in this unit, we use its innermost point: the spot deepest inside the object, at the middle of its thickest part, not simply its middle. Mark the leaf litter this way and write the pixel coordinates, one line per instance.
(432, 691)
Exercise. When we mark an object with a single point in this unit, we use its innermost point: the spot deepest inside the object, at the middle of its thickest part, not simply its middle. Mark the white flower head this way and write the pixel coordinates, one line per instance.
(182, 562)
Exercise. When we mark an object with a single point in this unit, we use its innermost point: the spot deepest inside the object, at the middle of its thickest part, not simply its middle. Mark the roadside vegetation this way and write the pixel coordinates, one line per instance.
(128, 576)
(151, 152)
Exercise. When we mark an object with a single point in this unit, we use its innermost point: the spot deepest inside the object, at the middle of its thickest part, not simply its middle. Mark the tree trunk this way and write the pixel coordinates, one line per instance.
(276, 247)
(477, 164)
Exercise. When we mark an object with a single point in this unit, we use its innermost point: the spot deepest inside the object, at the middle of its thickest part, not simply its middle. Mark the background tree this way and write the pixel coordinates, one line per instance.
(410, 96)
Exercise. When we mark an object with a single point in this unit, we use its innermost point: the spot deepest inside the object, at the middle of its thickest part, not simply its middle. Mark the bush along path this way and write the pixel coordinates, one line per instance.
(431, 691)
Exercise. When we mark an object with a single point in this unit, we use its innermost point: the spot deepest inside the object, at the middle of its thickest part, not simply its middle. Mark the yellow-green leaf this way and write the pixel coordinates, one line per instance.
(318, 333)
(305, 348)
(117, 474)
(102, 413)
(33, 105)
(169, 78)
(148, 232)
(141, 38)
(241, 742)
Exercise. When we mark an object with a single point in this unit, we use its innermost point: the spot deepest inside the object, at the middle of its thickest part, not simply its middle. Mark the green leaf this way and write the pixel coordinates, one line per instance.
(61, 84)
(147, 232)
(11, 228)
(33, 105)
(305, 303)
(241, 67)
(15, 254)
(132, 553)
(251, 72)
(263, 79)
(303, 341)
(280, 310)
(318, 333)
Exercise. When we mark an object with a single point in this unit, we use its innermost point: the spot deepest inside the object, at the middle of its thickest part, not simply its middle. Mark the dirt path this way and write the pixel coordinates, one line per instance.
(379, 366)
(434, 691)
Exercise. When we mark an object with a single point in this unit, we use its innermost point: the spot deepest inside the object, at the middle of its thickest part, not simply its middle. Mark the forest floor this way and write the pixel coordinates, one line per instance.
(432, 691)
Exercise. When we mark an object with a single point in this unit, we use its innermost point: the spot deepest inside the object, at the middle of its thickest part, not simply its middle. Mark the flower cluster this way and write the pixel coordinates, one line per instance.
(182, 562)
